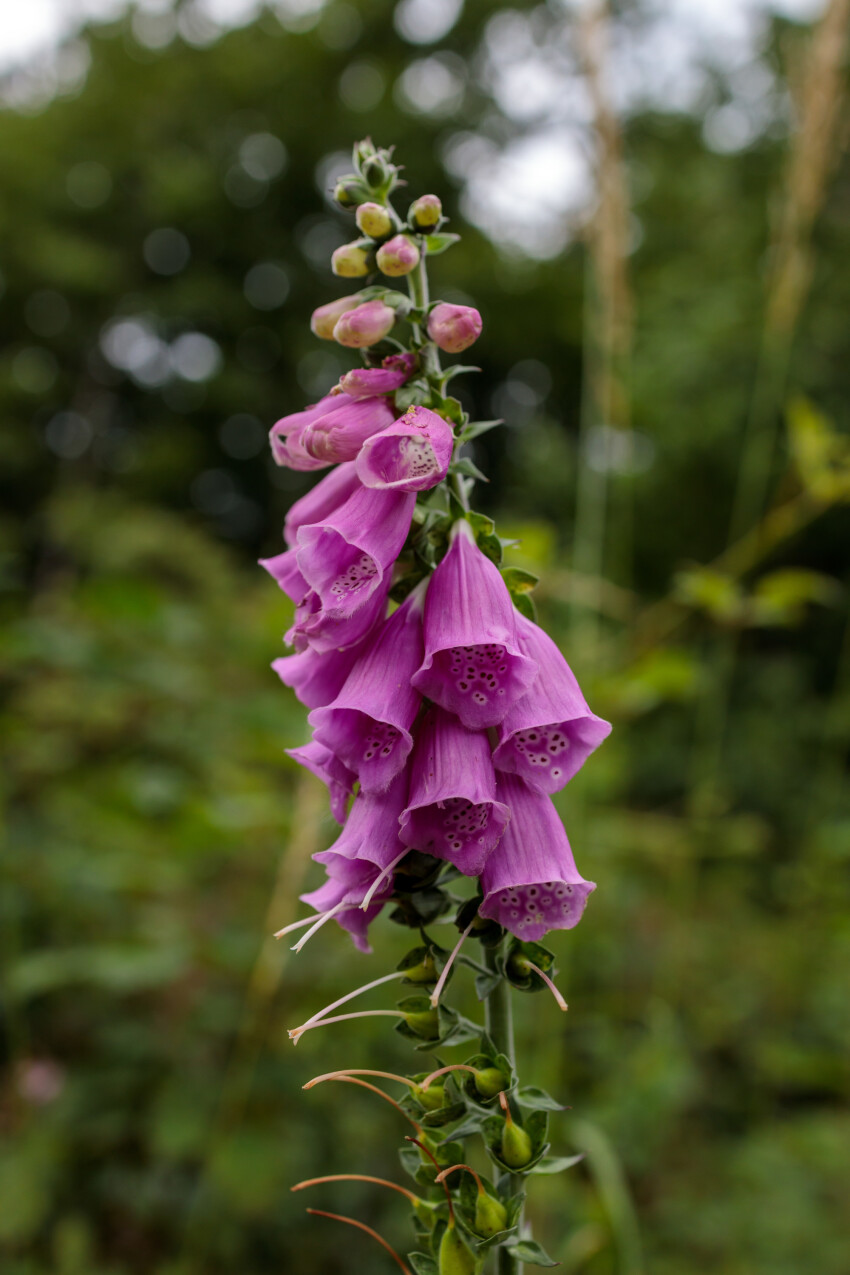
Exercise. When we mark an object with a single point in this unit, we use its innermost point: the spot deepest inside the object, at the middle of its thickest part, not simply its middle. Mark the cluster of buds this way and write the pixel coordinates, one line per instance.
(443, 717)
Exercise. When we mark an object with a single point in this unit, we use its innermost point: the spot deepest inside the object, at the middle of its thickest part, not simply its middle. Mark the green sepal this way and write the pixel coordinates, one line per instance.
(472, 1125)
(524, 603)
(538, 1099)
(464, 465)
(486, 983)
(423, 965)
(426, 1019)
(551, 1164)
(531, 1253)
(454, 1028)
(435, 244)
(457, 369)
(451, 409)
(492, 1241)
(476, 428)
(443, 1116)
(485, 537)
(420, 909)
(519, 580)
(518, 974)
(413, 393)
(423, 1264)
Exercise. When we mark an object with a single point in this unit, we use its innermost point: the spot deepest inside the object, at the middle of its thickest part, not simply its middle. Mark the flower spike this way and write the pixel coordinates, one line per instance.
(361, 1226)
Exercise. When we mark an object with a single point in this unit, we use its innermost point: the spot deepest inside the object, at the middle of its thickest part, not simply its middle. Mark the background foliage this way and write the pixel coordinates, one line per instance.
(165, 238)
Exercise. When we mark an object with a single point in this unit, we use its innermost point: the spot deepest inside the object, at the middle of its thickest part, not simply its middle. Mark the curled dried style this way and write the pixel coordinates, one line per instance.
(443, 720)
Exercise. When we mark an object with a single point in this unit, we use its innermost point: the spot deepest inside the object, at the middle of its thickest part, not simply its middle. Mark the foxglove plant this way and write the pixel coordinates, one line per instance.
(443, 719)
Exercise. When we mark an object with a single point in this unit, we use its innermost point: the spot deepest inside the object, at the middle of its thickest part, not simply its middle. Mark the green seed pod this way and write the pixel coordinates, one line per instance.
(489, 1081)
(424, 972)
(424, 1023)
(516, 1149)
(490, 1215)
(431, 1098)
(455, 1258)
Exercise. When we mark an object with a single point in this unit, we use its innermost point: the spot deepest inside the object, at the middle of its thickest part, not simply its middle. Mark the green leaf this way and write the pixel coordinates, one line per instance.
(499, 1238)
(475, 428)
(457, 369)
(556, 1163)
(538, 1099)
(451, 409)
(485, 983)
(530, 1252)
(435, 244)
(524, 603)
(423, 1264)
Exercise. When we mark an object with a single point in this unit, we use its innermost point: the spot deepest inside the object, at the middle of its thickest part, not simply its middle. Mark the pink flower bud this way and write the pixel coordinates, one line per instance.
(454, 327)
(353, 260)
(374, 220)
(364, 325)
(398, 256)
(323, 320)
(425, 212)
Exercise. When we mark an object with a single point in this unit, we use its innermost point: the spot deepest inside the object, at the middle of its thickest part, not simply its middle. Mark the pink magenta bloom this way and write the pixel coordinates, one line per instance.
(412, 454)
(398, 256)
(530, 881)
(452, 810)
(370, 833)
(322, 763)
(369, 723)
(454, 327)
(316, 677)
(548, 735)
(473, 665)
(320, 502)
(364, 382)
(340, 433)
(324, 319)
(365, 325)
(347, 884)
(285, 435)
(284, 569)
(346, 558)
(317, 629)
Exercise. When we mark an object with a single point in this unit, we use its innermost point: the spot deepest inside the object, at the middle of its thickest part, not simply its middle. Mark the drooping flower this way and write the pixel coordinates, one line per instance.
(323, 320)
(370, 833)
(284, 569)
(547, 736)
(341, 895)
(454, 327)
(285, 436)
(530, 881)
(346, 558)
(322, 630)
(325, 765)
(369, 723)
(473, 665)
(319, 503)
(316, 677)
(365, 382)
(412, 454)
(365, 325)
(452, 810)
(339, 434)
(398, 256)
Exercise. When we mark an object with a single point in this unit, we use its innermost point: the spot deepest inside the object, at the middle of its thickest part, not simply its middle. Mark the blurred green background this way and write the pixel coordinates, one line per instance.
(657, 232)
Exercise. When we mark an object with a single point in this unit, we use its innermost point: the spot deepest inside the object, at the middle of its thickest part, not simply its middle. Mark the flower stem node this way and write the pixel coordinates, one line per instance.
(364, 325)
(454, 327)
(354, 260)
(373, 220)
(425, 213)
(398, 256)
(455, 1258)
(324, 320)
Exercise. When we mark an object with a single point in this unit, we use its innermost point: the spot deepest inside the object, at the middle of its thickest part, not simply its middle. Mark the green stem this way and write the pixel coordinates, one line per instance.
(498, 1018)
